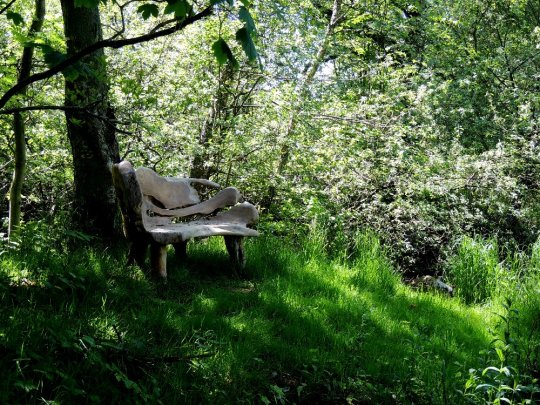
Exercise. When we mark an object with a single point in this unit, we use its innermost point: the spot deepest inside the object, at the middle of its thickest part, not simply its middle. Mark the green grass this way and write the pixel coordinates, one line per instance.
(474, 269)
(303, 327)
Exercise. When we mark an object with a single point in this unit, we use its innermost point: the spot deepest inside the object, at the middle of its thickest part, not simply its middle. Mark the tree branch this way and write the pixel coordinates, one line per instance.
(6, 165)
(108, 43)
(65, 108)
(38, 108)
(7, 6)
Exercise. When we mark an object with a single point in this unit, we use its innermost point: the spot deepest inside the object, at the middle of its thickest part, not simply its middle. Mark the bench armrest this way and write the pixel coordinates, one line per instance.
(204, 182)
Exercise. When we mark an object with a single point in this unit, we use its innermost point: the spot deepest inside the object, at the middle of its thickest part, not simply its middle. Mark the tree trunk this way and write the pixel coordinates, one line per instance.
(310, 71)
(15, 190)
(91, 135)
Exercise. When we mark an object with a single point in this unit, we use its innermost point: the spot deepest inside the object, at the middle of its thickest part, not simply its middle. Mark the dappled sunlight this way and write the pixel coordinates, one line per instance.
(316, 309)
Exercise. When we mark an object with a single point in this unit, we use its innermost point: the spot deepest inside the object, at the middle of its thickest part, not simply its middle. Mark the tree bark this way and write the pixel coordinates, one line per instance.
(19, 130)
(311, 69)
(15, 190)
(93, 142)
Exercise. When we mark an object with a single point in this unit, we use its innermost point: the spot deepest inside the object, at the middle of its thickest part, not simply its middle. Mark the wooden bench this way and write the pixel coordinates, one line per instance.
(150, 204)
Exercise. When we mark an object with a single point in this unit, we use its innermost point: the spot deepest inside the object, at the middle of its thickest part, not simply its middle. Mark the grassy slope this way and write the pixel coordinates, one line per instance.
(303, 327)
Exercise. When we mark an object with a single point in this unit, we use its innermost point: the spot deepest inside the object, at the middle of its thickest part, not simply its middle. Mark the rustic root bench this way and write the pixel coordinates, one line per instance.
(150, 203)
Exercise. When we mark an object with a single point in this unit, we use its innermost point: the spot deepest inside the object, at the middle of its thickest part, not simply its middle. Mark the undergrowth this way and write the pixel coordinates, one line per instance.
(306, 325)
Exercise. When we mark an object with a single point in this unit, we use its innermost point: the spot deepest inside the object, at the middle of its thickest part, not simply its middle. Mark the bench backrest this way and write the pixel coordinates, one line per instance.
(170, 192)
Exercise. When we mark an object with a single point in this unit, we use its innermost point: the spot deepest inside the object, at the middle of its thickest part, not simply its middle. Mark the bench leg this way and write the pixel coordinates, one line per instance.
(158, 260)
(180, 249)
(235, 247)
(137, 252)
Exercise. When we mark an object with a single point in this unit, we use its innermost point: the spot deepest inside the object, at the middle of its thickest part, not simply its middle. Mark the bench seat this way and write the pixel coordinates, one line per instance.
(182, 232)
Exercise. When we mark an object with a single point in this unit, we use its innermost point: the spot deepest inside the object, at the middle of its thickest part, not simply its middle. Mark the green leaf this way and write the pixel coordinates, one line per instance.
(214, 2)
(52, 56)
(245, 16)
(218, 48)
(243, 36)
(506, 371)
(75, 121)
(180, 8)
(484, 387)
(491, 368)
(148, 10)
(246, 3)
(89, 340)
(264, 400)
(223, 53)
(500, 353)
(15, 17)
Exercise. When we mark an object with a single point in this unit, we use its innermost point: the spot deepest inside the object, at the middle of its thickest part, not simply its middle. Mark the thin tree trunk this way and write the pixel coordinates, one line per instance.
(93, 142)
(310, 71)
(213, 123)
(15, 190)
(199, 168)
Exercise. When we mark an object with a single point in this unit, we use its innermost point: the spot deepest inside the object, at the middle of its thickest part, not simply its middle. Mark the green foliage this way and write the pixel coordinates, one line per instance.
(214, 2)
(148, 10)
(15, 17)
(502, 380)
(413, 127)
(180, 8)
(51, 56)
(244, 37)
(246, 17)
(372, 261)
(421, 124)
(223, 53)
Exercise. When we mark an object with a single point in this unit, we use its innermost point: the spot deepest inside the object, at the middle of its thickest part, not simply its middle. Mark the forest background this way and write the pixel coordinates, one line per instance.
(415, 120)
